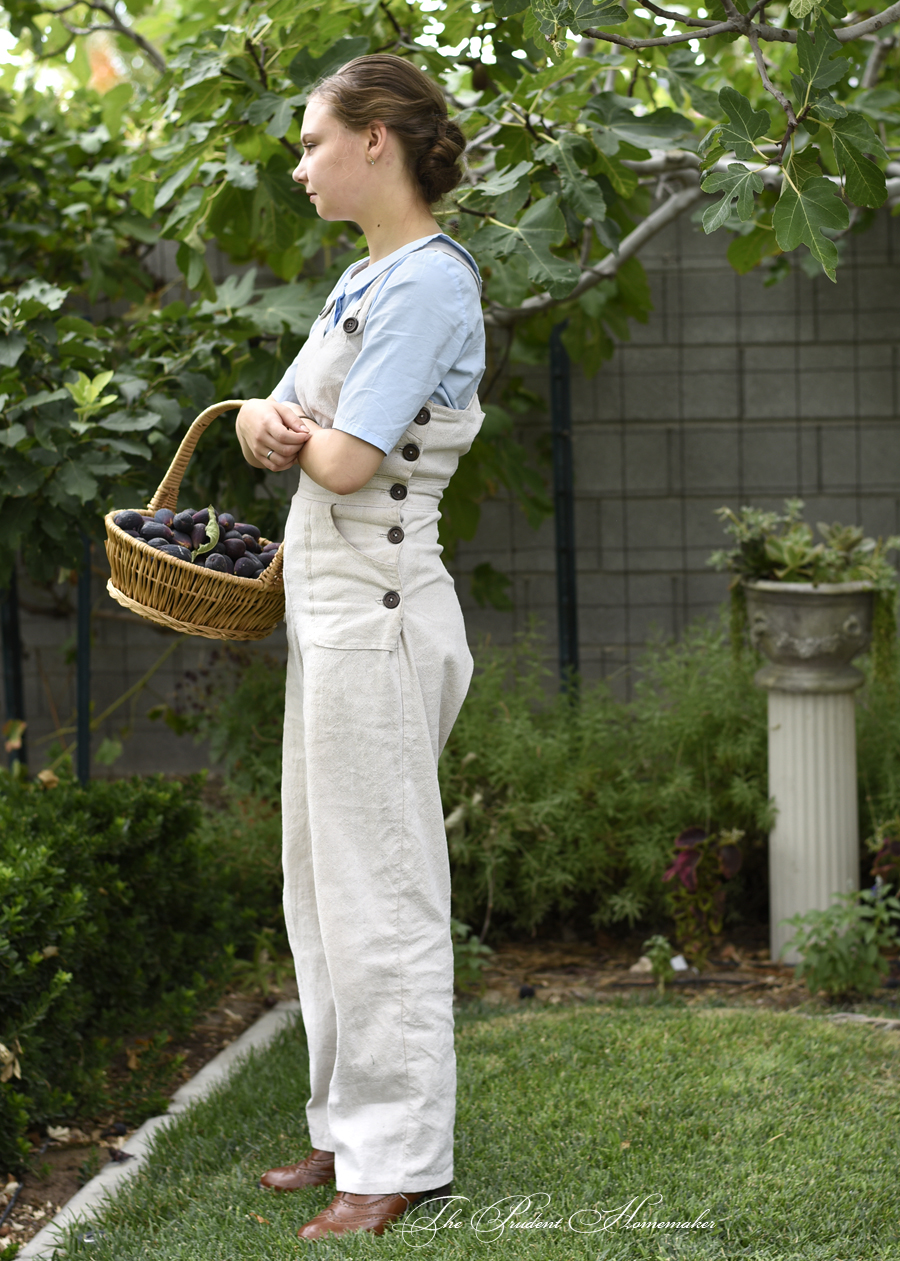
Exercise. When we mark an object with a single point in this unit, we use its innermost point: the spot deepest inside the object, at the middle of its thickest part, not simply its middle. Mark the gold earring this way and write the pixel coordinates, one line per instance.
(371, 161)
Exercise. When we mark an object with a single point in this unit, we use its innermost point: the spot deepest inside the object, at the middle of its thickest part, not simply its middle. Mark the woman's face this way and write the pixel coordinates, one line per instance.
(332, 169)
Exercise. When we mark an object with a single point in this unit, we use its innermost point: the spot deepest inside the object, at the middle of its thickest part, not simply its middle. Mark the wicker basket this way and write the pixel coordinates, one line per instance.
(183, 596)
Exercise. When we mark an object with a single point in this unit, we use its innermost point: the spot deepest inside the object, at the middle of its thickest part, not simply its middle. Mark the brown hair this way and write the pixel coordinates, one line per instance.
(382, 87)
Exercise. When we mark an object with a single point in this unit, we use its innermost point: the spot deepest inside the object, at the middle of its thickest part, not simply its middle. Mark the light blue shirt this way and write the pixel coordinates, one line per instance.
(423, 340)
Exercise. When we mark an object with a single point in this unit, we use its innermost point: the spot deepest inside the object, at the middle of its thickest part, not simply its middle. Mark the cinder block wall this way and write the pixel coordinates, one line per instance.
(731, 393)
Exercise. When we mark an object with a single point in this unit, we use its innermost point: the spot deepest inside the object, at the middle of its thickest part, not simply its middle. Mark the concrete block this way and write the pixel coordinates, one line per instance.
(654, 523)
(711, 330)
(597, 456)
(710, 396)
(771, 328)
(603, 624)
(761, 360)
(880, 455)
(600, 589)
(770, 395)
(769, 459)
(607, 395)
(827, 394)
(875, 354)
(838, 461)
(827, 356)
(705, 359)
(646, 459)
(876, 395)
(711, 458)
(708, 292)
(755, 298)
(647, 360)
(652, 397)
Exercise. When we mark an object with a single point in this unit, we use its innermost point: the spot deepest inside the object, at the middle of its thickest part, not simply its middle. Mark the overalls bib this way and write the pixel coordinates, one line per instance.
(378, 668)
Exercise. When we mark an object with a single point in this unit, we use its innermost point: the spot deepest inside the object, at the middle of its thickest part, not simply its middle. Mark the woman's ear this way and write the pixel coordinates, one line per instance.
(376, 141)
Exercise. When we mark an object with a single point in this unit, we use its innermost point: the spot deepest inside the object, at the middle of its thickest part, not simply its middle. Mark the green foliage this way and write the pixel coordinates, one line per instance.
(108, 922)
(702, 864)
(470, 958)
(560, 810)
(842, 948)
(659, 952)
(780, 547)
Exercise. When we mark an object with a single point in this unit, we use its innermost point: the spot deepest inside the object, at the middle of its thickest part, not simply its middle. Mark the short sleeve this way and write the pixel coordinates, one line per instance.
(284, 391)
(425, 322)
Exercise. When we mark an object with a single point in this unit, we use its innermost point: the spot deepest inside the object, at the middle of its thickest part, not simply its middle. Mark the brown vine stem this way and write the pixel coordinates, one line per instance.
(776, 92)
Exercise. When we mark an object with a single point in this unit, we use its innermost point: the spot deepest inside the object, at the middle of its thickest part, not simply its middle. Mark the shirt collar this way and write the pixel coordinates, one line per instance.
(352, 285)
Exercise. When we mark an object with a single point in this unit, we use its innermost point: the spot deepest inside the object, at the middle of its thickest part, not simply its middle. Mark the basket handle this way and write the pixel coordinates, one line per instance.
(167, 493)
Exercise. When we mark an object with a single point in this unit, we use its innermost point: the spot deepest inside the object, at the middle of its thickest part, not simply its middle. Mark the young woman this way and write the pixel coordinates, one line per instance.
(377, 410)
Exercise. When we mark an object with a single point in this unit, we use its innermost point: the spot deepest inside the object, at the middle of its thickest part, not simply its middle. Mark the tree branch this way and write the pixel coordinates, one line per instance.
(770, 86)
(876, 60)
(678, 17)
(498, 316)
(116, 27)
(720, 28)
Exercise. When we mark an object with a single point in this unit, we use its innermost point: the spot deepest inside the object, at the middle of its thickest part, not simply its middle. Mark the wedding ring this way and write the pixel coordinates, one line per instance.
(269, 453)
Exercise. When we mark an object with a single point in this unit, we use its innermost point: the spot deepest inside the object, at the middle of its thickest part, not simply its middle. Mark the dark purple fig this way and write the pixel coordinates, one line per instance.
(226, 520)
(182, 553)
(202, 516)
(220, 549)
(165, 515)
(234, 548)
(233, 534)
(135, 534)
(246, 567)
(183, 522)
(271, 547)
(198, 535)
(129, 520)
(183, 540)
(219, 564)
(200, 560)
(156, 543)
(265, 559)
(251, 544)
(243, 528)
(156, 530)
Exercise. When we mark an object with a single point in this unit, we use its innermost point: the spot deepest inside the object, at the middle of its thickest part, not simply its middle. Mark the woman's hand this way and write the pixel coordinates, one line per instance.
(272, 434)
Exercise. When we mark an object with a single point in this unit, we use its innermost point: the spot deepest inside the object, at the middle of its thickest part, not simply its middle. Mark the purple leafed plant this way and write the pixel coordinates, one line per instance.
(703, 862)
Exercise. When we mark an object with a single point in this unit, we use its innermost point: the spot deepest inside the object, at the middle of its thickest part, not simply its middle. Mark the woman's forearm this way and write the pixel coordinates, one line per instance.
(339, 461)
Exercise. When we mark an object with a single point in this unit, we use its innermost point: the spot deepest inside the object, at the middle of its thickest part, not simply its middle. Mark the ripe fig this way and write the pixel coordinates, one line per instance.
(202, 516)
(165, 515)
(246, 567)
(234, 548)
(156, 530)
(243, 528)
(265, 559)
(182, 539)
(226, 520)
(198, 535)
(135, 534)
(233, 534)
(201, 561)
(251, 544)
(183, 523)
(271, 547)
(220, 564)
(129, 520)
(173, 549)
(156, 543)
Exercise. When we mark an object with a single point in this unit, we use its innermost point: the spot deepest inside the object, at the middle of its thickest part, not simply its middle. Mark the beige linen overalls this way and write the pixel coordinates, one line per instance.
(377, 671)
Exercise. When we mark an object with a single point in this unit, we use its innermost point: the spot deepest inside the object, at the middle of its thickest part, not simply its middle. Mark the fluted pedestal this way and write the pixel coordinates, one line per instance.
(810, 635)
(814, 846)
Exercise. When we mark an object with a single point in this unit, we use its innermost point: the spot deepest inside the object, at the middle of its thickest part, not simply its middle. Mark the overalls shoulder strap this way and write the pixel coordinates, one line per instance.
(363, 306)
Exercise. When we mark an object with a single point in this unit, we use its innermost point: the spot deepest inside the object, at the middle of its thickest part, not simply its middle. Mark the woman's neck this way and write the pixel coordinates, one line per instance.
(387, 230)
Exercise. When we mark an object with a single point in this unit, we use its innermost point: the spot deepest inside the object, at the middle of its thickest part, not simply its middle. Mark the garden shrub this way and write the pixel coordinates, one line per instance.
(109, 925)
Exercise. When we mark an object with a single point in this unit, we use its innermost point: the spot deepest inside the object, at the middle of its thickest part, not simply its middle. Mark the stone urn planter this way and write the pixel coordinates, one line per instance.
(810, 634)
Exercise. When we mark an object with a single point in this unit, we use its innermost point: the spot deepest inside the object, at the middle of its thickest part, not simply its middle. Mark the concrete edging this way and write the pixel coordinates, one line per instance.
(111, 1176)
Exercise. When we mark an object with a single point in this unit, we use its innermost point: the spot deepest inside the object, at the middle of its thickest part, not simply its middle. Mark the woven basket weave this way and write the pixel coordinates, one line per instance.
(183, 596)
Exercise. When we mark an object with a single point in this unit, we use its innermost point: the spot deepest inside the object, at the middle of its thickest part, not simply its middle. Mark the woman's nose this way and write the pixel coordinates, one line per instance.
(299, 177)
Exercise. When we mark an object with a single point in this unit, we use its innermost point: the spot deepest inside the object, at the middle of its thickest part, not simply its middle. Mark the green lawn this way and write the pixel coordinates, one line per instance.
(782, 1131)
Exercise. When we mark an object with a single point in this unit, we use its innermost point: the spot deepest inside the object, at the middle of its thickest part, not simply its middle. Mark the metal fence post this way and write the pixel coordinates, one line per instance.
(564, 511)
(83, 690)
(13, 682)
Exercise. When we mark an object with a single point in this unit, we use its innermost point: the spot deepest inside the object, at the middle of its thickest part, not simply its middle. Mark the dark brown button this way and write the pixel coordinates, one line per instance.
(423, 417)
(398, 491)
(351, 324)
(410, 451)
(390, 599)
(395, 534)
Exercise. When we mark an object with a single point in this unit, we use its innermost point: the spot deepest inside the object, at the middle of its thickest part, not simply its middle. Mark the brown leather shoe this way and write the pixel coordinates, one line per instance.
(315, 1171)
(349, 1212)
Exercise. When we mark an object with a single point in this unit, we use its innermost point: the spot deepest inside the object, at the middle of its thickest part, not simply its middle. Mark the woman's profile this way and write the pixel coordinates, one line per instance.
(377, 409)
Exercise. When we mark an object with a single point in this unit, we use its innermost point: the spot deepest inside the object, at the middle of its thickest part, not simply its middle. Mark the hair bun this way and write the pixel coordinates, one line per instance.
(438, 169)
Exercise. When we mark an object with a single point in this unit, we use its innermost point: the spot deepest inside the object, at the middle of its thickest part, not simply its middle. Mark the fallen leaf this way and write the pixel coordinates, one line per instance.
(134, 1060)
(264, 1220)
(627, 1143)
(47, 778)
(58, 1133)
